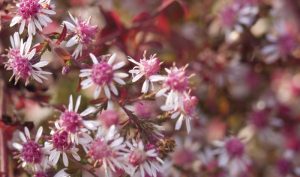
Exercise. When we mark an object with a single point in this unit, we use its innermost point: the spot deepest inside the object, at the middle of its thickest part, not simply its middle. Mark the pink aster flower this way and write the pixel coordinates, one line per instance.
(103, 74)
(31, 153)
(281, 43)
(83, 32)
(21, 63)
(175, 88)
(185, 153)
(142, 109)
(33, 14)
(72, 122)
(238, 14)
(147, 68)
(109, 118)
(232, 156)
(60, 144)
(107, 150)
(143, 160)
(186, 112)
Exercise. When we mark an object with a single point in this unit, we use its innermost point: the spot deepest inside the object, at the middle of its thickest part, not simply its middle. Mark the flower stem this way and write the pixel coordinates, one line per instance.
(3, 154)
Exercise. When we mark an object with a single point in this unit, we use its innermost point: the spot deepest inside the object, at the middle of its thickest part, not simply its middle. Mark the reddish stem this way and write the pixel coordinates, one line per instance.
(3, 153)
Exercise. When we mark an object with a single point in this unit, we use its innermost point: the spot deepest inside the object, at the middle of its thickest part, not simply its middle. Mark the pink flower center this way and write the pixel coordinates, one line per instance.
(183, 157)
(102, 73)
(109, 118)
(284, 167)
(228, 16)
(259, 119)
(189, 105)
(29, 8)
(137, 157)
(86, 32)
(177, 80)
(235, 147)
(61, 141)
(99, 150)
(21, 66)
(143, 109)
(287, 43)
(150, 67)
(71, 121)
(31, 152)
(40, 174)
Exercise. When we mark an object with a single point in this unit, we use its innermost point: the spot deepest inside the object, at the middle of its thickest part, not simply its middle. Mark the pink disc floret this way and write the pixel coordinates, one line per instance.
(234, 147)
(177, 80)
(70, 121)
(102, 73)
(109, 118)
(31, 152)
(29, 8)
(61, 141)
(21, 66)
(137, 157)
(99, 150)
(86, 31)
(150, 67)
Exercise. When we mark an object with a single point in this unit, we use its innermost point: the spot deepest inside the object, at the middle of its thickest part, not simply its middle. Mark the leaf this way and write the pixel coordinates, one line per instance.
(62, 35)
(141, 17)
(41, 47)
(173, 8)
(163, 25)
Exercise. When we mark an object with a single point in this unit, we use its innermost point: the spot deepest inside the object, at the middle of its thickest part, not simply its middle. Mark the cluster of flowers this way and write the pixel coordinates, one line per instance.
(94, 133)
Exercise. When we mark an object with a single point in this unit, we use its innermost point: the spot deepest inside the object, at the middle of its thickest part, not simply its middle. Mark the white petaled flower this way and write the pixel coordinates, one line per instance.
(60, 144)
(143, 160)
(33, 14)
(145, 68)
(72, 122)
(232, 155)
(281, 43)
(83, 34)
(107, 150)
(237, 15)
(175, 87)
(185, 153)
(20, 61)
(31, 153)
(185, 112)
(103, 75)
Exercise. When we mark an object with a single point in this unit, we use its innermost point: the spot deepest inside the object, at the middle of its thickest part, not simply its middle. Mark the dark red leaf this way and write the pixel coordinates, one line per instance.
(141, 17)
(62, 35)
